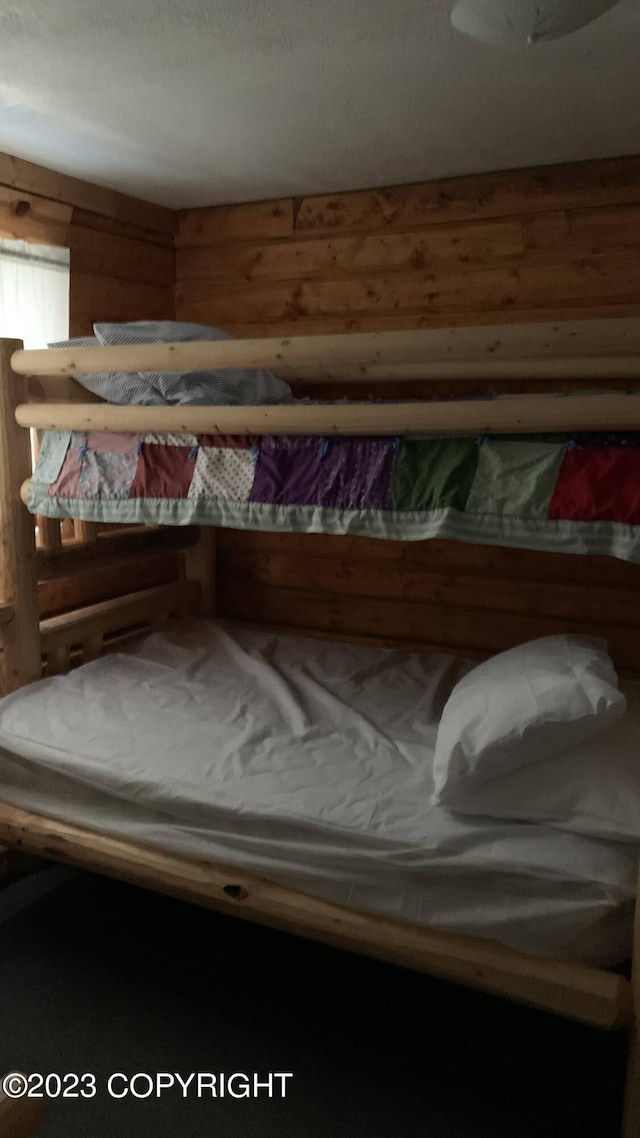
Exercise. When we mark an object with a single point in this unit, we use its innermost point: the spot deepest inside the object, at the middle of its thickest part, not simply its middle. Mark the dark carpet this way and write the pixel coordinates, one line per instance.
(99, 977)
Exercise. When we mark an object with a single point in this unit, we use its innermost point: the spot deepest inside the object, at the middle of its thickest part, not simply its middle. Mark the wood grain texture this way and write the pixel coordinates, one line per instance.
(137, 610)
(230, 222)
(587, 994)
(506, 414)
(600, 279)
(29, 218)
(528, 247)
(20, 657)
(502, 194)
(120, 257)
(95, 297)
(469, 599)
(89, 219)
(19, 174)
(525, 245)
(105, 578)
(327, 356)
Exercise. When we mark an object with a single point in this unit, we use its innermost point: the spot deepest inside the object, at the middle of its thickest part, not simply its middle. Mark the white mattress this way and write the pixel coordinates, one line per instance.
(309, 762)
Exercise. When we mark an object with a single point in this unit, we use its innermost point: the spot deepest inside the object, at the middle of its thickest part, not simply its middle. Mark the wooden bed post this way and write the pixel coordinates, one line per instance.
(631, 1109)
(21, 660)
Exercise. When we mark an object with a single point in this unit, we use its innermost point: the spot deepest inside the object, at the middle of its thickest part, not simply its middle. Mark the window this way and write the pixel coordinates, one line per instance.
(34, 293)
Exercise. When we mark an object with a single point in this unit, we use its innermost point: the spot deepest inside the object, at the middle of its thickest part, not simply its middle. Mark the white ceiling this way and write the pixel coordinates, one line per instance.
(195, 102)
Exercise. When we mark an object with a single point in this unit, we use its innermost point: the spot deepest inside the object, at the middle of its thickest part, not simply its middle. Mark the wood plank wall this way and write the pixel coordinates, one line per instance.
(559, 242)
(122, 249)
(122, 268)
(556, 243)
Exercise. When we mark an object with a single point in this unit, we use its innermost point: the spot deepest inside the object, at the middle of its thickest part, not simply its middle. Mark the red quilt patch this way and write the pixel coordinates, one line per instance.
(163, 472)
(598, 484)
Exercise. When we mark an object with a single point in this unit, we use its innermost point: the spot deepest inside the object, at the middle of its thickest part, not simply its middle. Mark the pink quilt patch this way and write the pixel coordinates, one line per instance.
(66, 484)
(112, 443)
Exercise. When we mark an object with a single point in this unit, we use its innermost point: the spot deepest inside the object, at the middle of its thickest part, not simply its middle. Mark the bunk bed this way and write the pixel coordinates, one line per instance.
(38, 391)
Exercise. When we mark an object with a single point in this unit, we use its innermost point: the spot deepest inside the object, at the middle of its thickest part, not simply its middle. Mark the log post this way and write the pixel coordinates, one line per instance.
(21, 661)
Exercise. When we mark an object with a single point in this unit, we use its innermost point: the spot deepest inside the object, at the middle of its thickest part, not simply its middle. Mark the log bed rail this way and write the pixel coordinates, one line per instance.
(38, 390)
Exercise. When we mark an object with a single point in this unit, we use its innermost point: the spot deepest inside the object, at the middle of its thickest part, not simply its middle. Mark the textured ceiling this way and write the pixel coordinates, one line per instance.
(192, 102)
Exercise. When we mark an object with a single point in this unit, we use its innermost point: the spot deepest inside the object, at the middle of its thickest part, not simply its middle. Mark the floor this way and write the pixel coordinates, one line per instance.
(98, 977)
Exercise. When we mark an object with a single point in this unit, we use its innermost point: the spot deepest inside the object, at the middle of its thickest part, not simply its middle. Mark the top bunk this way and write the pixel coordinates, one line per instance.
(524, 436)
(544, 358)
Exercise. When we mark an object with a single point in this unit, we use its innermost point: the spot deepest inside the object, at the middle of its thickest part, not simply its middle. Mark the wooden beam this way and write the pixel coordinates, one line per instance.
(60, 633)
(139, 543)
(28, 217)
(269, 219)
(20, 661)
(26, 176)
(504, 193)
(576, 991)
(318, 354)
(503, 415)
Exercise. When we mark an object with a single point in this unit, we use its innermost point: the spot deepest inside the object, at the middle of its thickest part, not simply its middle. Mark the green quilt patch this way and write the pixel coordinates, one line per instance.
(434, 474)
(515, 478)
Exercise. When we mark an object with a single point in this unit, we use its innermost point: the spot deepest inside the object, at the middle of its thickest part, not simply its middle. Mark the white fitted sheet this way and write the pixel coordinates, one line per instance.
(309, 762)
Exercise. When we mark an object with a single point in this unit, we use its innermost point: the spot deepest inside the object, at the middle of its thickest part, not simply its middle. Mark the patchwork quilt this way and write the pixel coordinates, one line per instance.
(576, 493)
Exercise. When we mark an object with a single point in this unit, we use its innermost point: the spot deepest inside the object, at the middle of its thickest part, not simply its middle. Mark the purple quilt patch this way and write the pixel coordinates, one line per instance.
(340, 473)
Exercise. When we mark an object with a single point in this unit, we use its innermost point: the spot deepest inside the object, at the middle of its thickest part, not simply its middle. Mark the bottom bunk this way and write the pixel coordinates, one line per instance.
(290, 780)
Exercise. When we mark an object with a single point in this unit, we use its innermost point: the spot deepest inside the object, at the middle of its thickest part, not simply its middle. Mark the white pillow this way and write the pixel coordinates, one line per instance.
(592, 789)
(521, 707)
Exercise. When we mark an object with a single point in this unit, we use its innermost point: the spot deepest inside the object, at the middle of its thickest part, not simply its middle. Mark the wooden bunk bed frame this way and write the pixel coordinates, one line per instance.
(37, 390)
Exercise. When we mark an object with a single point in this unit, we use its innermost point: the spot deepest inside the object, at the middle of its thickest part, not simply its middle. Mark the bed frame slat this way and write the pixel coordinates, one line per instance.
(90, 625)
(586, 994)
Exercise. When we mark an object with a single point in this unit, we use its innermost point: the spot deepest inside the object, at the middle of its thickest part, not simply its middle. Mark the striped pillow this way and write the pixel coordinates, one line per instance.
(239, 386)
(114, 386)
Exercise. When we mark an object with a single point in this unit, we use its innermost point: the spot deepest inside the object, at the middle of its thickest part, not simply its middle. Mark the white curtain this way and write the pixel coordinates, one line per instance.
(34, 293)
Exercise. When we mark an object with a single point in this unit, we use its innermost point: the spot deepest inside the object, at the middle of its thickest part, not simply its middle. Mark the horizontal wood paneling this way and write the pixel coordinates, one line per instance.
(122, 268)
(120, 257)
(589, 282)
(502, 194)
(104, 224)
(95, 298)
(32, 179)
(350, 256)
(232, 222)
(559, 243)
(29, 218)
(410, 321)
(102, 580)
(460, 597)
